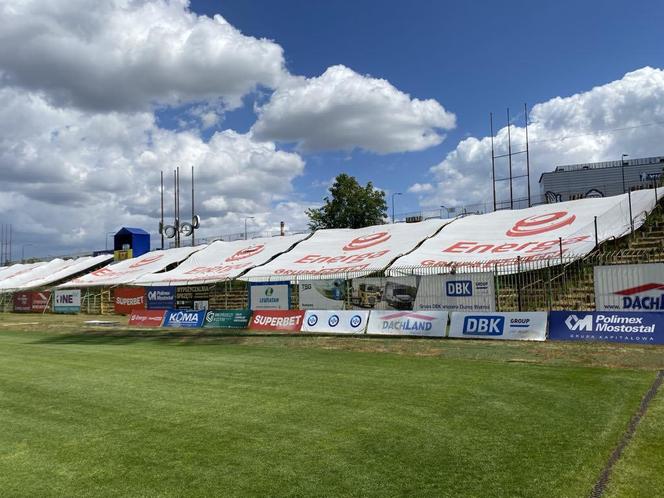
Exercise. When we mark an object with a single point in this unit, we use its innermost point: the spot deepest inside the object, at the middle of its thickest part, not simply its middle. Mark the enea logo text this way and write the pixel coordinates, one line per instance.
(608, 323)
(483, 325)
(631, 300)
(407, 321)
(459, 288)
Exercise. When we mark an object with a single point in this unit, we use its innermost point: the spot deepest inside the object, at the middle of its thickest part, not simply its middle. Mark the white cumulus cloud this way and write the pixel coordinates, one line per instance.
(342, 109)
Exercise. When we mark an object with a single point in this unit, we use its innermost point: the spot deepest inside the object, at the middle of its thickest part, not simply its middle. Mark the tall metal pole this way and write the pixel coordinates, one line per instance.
(509, 155)
(192, 207)
(161, 224)
(525, 108)
(175, 205)
(493, 161)
(178, 205)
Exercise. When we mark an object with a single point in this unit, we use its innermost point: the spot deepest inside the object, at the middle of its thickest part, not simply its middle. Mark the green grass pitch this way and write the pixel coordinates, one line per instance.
(116, 413)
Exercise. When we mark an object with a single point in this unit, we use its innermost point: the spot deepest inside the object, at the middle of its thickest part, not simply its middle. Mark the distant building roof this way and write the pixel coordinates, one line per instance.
(133, 231)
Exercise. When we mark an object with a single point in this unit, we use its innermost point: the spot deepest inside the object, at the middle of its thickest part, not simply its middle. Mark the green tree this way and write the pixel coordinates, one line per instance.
(349, 206)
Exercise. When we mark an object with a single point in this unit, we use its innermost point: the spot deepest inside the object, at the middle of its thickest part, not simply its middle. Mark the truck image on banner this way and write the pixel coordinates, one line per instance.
(418, 323)
(323, 295)
(629, 287)
(516, 326)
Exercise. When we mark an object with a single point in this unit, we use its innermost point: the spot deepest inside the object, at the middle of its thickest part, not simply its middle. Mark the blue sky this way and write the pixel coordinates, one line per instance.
(474, 57)
(274, 98)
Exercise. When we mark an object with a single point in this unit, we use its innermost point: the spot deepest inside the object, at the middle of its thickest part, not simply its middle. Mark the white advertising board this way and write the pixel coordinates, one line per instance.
(497, 239)
(67, 301)
(335, 322)
(517, 326)
(629, 287)
(459, 292)
(323, 295)
(269, 295)
(127, 271)
(222, 261)
(336, 253)
(417, 323)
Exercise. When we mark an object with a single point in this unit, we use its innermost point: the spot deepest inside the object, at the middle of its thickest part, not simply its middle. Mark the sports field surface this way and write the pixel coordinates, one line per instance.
(116, 412)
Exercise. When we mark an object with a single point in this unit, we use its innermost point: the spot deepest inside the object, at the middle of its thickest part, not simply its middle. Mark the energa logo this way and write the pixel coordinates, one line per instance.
(575, 323)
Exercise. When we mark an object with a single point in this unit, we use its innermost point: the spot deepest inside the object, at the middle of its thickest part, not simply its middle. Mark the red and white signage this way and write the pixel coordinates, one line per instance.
(285, 320)
(41, 301)
(146, 318)
(23, 302)
(222, 261)
(333, 253)
(127, 299)
(127, 271)
(500, 237)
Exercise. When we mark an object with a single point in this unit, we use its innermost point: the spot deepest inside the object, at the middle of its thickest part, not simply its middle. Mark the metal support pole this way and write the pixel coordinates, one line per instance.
(493, 162)
(596, 237)
(509, 155)
(631, 219)
(161, 223)
(518, 281)
(560, 244)
(525, 107)
(193, 240)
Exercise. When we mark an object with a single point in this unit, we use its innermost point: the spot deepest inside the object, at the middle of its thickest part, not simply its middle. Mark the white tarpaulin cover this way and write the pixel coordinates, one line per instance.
(7, 272)
(78, 265)
(37, 272)
(500, 237)
(337, 252)
(127, 271)
(222, 261)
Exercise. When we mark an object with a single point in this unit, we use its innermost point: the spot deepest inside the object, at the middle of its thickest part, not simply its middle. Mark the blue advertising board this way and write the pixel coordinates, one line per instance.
(611, 326)
(160, 298)
(184, 318)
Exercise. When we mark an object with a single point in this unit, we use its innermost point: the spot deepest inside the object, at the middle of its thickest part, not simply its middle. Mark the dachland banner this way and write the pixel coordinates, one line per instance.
(457, 292)
(228, 319)
(619, 326)
(269, 295)
(517, 326)
(184, 319)
(335, 322)
(630, 287)
(67, 301)
(160, 298)
(419, 323)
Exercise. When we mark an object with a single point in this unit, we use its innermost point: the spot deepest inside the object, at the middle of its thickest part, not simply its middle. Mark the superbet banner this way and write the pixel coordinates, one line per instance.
(285, 320)
(500, 237)
(127, 299)
(223, 260)
(129, 270)
(334, 253)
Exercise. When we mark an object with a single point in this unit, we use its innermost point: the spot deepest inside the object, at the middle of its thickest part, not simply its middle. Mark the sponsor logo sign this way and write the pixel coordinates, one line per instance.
(630, 287)
(192, 297)
(146, 318)
(23, 302)
(184, 318)
(126, 299)
(269, 295)
(419, 323)
(160, 298)
(228, 319)
(517, 326)
(466, 292)
(247, 252)
(367, 241)
(335, 322)
(288, 320)
(40, 301)
(542, 223)
(67, 301)
(323, 295)
(619, 326)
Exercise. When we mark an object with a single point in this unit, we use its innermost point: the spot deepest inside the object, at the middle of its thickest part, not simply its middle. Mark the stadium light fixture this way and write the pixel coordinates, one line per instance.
(245, 225)
(395, 193)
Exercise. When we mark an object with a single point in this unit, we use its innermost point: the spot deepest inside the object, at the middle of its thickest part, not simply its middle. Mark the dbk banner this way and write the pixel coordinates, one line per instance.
(419, 323)
(462, 292)
(336, 322)
(517, 326)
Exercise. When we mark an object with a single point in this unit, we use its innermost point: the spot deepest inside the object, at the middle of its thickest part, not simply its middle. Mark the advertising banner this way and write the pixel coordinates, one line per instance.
(127, 271)
(322, 295)
(127, 299)
(41, 301)
(617, 326)
(192, 297)
(228, 319)
(160, 298)
(335, 322)
(223, 261)
(23, 302)
(517, 326)
(417, 323)
(269, 295)
(146, 318)
(184, 319)
(334, 253)
(285, 320)
(460, 292)
(383, 293)
(497, 239)
(629, 287)
(67, 301)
